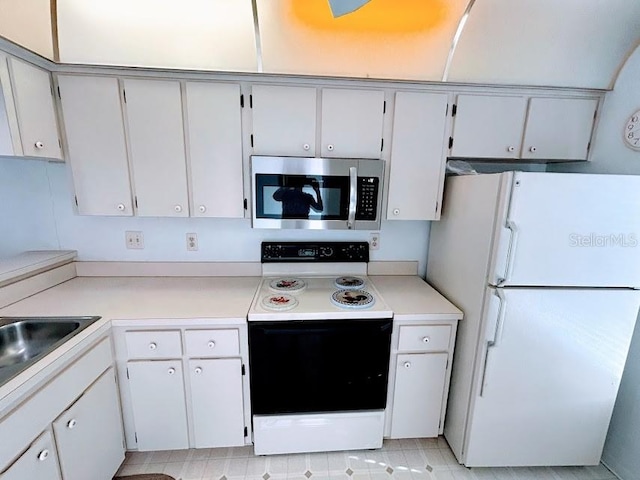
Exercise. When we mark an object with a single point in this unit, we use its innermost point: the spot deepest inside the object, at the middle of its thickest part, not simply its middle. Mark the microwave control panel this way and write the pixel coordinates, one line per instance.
(367, 204)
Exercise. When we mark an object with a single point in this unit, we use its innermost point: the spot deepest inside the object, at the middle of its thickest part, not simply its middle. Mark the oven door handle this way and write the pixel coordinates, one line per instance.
(353, 196)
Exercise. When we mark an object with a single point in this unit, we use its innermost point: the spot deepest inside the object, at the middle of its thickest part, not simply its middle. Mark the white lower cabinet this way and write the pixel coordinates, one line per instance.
(183, 386)
(217, 403)
(38, 462)
(159, 407)
(417, 400)
(419, 376)
(79, 431)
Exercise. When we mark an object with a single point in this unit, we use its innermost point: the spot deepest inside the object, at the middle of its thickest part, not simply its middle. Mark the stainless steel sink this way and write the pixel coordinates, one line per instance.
(25, 340)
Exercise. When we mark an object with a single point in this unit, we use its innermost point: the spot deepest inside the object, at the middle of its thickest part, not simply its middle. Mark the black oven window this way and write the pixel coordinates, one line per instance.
(309, 197)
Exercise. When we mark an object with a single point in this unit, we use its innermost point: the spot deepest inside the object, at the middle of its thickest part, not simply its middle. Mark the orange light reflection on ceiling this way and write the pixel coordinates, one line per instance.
(377, 16)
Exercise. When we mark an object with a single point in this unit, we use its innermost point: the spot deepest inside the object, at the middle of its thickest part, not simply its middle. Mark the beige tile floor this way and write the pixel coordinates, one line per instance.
(423, 459)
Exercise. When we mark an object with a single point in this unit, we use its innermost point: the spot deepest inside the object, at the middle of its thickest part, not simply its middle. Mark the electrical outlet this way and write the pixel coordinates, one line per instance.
(374, 241)
(134, 240)
(192, 242)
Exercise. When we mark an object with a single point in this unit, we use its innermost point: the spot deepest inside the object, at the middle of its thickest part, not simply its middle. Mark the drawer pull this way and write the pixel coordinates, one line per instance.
(171, 371)
(72, 423)
(407, 365)
(211, 344)
(153, 346)
(198, 370)
(425, 339)
(43, 455)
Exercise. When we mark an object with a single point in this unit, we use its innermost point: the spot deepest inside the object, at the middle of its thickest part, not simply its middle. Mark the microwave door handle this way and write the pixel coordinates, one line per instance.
(353, 196)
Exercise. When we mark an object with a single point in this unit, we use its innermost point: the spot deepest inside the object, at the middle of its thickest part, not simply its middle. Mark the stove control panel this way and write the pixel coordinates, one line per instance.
(273, 252)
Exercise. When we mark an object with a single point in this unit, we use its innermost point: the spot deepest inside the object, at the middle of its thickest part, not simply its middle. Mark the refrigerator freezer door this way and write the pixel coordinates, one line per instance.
(569, 230)
(547, 373)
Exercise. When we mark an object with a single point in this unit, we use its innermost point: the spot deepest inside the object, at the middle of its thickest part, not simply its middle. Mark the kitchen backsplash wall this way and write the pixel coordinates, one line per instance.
(36, 213)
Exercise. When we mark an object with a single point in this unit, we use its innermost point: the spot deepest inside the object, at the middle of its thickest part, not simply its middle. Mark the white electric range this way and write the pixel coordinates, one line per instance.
(319, 343)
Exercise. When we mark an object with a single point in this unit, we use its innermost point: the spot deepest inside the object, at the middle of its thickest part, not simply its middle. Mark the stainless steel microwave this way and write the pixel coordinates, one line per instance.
(316, 193)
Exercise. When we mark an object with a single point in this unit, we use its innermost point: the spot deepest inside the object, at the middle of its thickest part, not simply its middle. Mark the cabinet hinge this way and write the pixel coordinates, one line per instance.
(595, 114)
(252, 139)
(450, 142)
(124, 95)
(135, 434)
(59, 95)
(241, 101)
(250, 101)
(446, 110)
(381, 144)
(384, 107)
(437, 206)
(128, 374)
(588, 146)
(246, 204)
(243, 370)
(60, 143)
(454, 110)
(76, 199)
(135, 201)
(246, 432)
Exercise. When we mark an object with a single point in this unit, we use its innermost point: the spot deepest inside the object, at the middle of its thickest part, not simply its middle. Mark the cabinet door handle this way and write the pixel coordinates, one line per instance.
(330, 148)
(121, 207)
(211, 344)
(198, 370)
(426, 339)
(43, 455)
(202, 209)
(177, 208)
(396, 211)
(171, 371)
(39, 145)
(511, 149)
(406, 364)
(153, 346)
(306, 147)
(533, 149)
(72, 423)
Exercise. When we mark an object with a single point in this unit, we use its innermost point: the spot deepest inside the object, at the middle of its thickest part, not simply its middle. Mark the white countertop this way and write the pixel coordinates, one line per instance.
(142, 298)
(30, 263)
(411, 298)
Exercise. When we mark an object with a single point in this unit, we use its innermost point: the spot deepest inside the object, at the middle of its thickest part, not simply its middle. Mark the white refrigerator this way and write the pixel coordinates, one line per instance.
(545, 267)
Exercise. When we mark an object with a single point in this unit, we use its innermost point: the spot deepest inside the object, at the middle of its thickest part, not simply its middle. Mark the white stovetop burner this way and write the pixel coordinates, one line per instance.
(290, 296)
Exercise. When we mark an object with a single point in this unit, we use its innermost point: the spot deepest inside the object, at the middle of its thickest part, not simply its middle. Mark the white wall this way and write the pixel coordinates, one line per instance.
(622, 450)
(36, 213)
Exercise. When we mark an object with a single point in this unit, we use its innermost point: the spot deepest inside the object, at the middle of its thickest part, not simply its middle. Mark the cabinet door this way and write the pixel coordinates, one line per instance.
(215, 149)
(352, 123)
(159, 408)
(284, 120)
(417, 398)
(9, 135)
(218, 412)
(488, 127)
(89, 433)
(37, 463)
(417, 156)
(559, 128)
(96, 144)
(156, 139)
(33, 98)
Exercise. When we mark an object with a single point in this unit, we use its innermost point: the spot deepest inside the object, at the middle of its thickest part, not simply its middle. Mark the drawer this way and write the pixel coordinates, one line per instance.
(212, 343)
(424, 338)
(153, 344)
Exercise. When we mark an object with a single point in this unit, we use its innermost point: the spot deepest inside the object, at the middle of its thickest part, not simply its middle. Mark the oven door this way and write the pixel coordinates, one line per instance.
(319, 366)
(316, 193)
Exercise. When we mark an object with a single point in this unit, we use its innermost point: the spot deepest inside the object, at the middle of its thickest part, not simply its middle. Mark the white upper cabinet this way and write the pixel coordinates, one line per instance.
(417, 156)
(9, 138)
(157, 150)
(488, 126)
(352, 123)
(214, 142)
(96, 145)
(559, 128)
(523, 127)
(33, 97)
(284, 120)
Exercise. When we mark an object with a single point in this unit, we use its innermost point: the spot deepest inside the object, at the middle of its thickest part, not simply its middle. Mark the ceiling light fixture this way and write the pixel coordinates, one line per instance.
(343, 7)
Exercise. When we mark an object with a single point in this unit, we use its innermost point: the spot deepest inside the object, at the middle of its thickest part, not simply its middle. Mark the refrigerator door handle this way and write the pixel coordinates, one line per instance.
(513, 242)
(497, 336)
